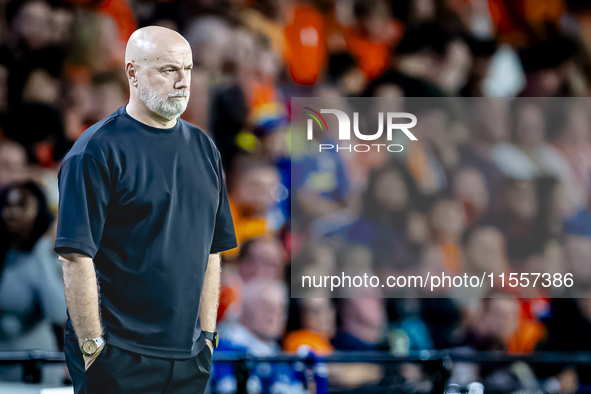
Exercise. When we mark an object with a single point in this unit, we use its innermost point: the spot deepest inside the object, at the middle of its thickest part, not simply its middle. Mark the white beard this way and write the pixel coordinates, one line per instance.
(163, 105)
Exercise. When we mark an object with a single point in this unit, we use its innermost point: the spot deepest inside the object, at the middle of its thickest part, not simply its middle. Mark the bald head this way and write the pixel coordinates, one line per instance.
(151, 42)
(158, 63)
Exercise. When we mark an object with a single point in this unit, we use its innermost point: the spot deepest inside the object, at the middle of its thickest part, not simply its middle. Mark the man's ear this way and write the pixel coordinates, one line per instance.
(132, 71)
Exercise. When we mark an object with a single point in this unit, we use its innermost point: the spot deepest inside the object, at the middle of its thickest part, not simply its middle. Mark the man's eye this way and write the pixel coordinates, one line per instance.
(168, 71)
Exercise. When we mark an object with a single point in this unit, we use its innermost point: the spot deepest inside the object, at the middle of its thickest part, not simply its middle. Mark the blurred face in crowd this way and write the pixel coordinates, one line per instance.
(255, 187)
(318, 316)
(391, 192)
(211, 37)
(433, 126)
(489, 120)
(161, 62)
(264, 261)
(502, 318)
(365, 318)
(522, 201)
(470, 187)
(448, 217)
(264, 309)
(577, 127)
(20, 212)
(455, 66)
(545, 83)
(485, 250)
(106, 98)
(32, 24)
(13, 162)
(529, 130)
(422, 10)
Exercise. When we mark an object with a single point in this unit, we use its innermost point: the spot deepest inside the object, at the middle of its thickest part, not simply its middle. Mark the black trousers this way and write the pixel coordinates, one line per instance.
(118, 371)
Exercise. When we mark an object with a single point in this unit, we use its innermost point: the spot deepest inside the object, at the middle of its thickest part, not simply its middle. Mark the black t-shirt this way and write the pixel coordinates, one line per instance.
(148, 205)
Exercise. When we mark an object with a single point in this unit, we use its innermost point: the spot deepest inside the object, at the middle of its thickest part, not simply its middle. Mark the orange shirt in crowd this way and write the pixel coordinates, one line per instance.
(303, 337)
(245, 226)
(372, 57)
(306, 39)
(516, 20)
(530, 330)
(121, 13)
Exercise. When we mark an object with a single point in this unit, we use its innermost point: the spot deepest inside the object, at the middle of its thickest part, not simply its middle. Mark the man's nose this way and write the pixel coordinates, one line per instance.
(184, 80)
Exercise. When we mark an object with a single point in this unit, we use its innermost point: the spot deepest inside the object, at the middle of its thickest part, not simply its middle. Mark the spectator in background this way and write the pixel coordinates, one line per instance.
(31, 45)
(318, 327)
(569, 134)
(546, 64)
(519, 221)
(488, 125)
(31, 290)
(436, 55)
(448, 221)
(367, 39)
(109, 92)
(434, 155)
(251, 198)
(362, 325)
(391, 204)
(262, 321)
(345, 75)
(528, 156)
(469, 187)
(13, 162)
(260, 258)
(496, 322)
(306, 38)
(482, 51)
(485, 251)
(407, 330)
(263, 317)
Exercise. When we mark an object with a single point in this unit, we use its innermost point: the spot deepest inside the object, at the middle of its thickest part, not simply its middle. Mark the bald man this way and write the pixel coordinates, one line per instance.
(143, 215)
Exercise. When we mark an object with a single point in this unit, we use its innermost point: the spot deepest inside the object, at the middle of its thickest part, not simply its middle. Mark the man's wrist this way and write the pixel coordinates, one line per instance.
(212, 337)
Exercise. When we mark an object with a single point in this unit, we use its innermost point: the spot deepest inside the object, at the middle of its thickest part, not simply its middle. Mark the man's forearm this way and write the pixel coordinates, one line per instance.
(82, 298)
(210, 296)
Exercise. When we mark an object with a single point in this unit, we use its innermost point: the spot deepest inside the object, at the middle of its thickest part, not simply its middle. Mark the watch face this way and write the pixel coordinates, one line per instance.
(216, 340)
(89, 347)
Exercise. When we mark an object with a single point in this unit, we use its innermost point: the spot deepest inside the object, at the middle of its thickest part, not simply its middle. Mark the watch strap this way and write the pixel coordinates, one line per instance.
(212, 336)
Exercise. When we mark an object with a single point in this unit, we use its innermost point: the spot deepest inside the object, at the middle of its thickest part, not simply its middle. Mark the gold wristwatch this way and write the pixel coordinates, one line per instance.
(90, 346)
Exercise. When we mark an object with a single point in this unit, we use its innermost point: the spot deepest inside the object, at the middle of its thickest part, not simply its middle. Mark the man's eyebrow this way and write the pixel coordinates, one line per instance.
(172, 66)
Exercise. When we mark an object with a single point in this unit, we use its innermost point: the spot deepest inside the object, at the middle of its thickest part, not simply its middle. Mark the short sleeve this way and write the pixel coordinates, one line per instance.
(49, 287)
(84, 191)
(224, 237)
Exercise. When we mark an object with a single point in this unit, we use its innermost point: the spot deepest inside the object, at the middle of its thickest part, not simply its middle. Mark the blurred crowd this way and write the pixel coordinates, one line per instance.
(505, 185)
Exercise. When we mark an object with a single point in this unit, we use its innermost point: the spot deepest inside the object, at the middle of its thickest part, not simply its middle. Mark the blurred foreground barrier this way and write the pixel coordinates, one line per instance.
(440, 361)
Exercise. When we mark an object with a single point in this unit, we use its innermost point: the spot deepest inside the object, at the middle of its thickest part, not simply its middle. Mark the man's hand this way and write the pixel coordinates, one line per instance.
(210, 344)
(88, 360)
